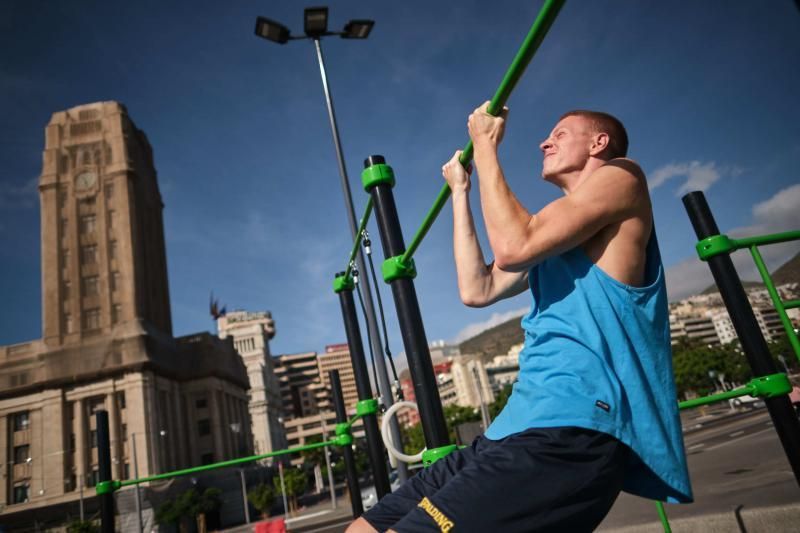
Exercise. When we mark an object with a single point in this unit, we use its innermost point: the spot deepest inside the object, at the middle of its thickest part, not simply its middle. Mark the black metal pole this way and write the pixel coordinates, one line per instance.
(377, 454)
(746, 326)
(104, 471)
(411, 327)
(347, 451)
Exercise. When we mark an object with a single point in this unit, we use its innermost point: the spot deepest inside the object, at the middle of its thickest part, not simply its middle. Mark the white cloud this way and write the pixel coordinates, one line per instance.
(494, 320)
(699, 176)
(779, 213)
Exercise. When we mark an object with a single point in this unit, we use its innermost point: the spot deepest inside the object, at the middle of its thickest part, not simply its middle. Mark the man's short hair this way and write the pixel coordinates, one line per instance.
(605, 123)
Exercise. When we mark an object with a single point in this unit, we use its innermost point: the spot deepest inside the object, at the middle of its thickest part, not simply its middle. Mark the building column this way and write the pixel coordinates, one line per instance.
(113, 431)
(81, 441)
(5, 456)
(53, 444)
(218, 425)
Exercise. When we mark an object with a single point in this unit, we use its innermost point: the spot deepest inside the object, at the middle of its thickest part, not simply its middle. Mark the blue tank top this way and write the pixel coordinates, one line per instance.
(597, 355)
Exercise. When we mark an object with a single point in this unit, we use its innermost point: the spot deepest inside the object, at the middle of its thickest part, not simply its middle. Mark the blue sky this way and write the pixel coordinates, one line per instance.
(253, 206)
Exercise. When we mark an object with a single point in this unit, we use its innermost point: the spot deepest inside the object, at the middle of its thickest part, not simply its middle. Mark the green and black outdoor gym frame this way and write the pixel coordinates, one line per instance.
(343, 286)
(744, 321)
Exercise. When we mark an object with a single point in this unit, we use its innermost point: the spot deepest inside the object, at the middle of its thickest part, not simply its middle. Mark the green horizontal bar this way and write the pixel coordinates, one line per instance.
(529, 46)
(705, 400)
(762, 240)
(223, 464)
(791, 304)
(361, 226)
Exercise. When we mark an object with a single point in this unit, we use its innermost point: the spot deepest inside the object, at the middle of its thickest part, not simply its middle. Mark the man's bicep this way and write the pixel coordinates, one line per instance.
(610, 195)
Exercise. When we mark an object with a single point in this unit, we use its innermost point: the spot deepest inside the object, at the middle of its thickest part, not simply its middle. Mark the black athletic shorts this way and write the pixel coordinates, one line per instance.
(552, 479)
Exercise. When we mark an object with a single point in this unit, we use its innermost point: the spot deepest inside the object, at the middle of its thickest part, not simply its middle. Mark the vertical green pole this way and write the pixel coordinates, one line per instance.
(662, 514)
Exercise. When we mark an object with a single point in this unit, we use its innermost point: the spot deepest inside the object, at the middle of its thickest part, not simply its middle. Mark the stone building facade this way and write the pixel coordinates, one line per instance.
(251, 333)
(107, 332)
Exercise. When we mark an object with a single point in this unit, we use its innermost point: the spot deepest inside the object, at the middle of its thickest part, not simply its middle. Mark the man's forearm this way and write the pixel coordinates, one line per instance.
(471, 268)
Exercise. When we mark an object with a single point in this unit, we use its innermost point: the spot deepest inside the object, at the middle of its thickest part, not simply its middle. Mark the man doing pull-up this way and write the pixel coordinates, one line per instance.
(593, 410)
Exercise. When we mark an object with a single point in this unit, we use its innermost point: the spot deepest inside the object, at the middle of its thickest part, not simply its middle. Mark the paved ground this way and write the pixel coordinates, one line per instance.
(737, 466)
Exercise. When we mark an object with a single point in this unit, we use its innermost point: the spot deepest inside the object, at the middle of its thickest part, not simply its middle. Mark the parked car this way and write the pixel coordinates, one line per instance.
(745, 401)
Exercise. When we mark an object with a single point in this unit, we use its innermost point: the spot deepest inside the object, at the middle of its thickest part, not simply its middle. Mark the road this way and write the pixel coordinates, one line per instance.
(738, 462)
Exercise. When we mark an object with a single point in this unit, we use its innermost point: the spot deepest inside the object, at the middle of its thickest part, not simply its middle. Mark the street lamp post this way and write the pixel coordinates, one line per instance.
(315, 27)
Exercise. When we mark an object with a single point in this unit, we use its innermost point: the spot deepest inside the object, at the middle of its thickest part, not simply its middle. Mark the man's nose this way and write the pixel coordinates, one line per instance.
(545, 144)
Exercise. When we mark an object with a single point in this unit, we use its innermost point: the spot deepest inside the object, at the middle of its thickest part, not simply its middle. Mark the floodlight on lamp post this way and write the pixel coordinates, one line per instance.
(315, 27)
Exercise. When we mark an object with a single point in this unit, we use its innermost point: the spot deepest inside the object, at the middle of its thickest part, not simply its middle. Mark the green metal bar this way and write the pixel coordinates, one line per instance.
(529, 46)
(768, 386)
(361, 226)
(776, 300)
(662, 514)
(223, 464)
(722, 396)
(791, 304)
(773, 238)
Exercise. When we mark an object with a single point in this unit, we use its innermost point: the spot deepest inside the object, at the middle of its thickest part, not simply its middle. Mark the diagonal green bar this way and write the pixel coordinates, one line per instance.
(776, 300)
(223, 464)
(361, 226)
(529, 46)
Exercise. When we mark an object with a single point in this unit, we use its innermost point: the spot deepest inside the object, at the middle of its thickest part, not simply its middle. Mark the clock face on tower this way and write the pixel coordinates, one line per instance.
(85, 180)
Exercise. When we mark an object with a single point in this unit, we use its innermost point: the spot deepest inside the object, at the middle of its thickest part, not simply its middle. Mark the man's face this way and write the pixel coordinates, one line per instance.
(567, 148)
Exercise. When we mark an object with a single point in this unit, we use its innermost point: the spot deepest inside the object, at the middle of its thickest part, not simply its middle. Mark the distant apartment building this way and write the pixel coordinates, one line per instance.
(504, 369)
(705, 319)
(107, 333)
(306, 395)
(251, 333)
(408, 417)
(471, 382)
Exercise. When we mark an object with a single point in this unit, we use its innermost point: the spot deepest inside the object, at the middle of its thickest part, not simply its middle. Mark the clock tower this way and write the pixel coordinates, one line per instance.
(104, 267)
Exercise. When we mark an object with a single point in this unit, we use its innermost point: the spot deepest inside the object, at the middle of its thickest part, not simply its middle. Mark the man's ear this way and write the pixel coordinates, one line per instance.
(599, 143)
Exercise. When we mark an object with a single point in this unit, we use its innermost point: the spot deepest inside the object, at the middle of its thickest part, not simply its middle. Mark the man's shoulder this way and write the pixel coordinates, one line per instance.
(625, 166)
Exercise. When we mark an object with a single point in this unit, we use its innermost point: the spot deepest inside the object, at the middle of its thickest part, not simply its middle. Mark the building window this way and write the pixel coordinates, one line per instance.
(64, 227)
(68, 325)
(93, 438)
(88, 254)
(21, 421)
(116, 310)
(22, 454)
(120, 395)
(109, 192)
(72, 442)
(207, 458)
(114, 281)
(204, 427)
(94, 478)
(90, 286)
(66, 289)
(123, 430)
(201, 403)
(88, 224)
(21, 493)
(126, 471)
(91, 319)
(62, 199)
(112, 250)
(112, 219)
